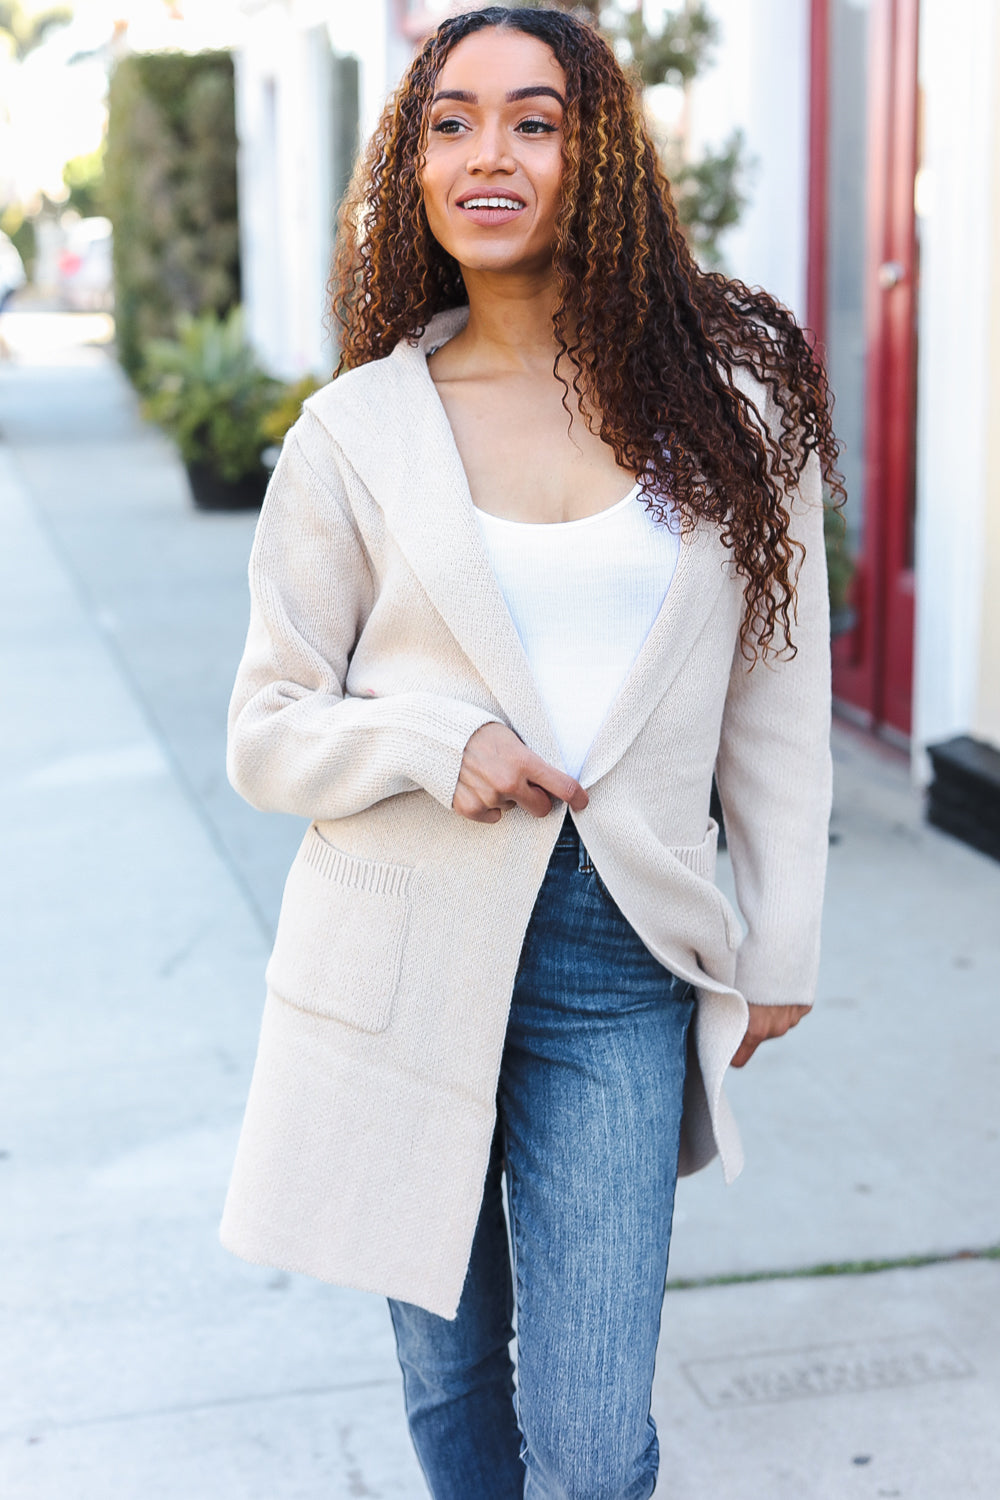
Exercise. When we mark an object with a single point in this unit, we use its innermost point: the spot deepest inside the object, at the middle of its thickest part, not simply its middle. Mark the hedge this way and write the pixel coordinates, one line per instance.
(170, 175)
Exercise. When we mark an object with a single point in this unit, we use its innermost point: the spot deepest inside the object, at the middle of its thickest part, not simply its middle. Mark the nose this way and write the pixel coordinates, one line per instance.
(490, 150)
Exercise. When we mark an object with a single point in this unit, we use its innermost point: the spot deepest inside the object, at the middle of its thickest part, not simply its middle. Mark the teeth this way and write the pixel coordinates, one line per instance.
(491, 203)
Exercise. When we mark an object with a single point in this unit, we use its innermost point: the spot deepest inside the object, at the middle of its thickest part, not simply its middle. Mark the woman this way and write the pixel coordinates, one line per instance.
(546, 555)
(12, 278)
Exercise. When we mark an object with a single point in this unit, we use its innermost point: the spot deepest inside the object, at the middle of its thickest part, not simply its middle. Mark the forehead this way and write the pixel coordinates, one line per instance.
(497, 60)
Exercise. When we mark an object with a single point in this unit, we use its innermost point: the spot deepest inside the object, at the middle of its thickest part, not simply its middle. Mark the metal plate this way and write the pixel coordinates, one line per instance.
(826, 1370)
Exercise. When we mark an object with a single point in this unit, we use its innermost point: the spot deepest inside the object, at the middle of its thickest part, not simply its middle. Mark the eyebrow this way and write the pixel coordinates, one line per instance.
(514, 96)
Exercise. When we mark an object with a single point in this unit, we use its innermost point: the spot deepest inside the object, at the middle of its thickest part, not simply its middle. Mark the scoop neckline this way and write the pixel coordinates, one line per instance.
(598, 515)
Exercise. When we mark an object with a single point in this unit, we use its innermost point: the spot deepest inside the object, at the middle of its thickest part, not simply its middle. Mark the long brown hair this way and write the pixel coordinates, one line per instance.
(652, 340)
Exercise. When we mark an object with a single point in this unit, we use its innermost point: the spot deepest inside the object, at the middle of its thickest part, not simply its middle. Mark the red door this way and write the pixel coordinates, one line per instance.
(862, 304)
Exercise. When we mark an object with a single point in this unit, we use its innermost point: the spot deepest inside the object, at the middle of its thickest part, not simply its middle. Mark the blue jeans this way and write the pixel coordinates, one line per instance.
(588, 1124)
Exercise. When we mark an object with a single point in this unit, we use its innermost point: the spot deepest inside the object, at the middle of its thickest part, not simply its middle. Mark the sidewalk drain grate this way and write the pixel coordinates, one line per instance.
(826, 1370)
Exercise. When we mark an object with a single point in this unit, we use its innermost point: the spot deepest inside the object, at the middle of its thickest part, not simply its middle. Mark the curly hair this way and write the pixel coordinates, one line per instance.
(653, 341)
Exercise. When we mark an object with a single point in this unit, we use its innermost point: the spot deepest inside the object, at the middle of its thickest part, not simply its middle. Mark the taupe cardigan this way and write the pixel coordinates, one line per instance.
(378, 643)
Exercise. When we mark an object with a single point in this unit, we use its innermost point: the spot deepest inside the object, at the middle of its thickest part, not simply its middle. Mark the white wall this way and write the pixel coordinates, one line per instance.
(282, 92)
(760, 82)
(366, 28)
(959, 281)
(986, 724)
(257, 173)
(283, 100)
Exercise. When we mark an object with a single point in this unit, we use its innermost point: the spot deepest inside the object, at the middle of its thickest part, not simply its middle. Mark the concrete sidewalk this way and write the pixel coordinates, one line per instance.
(139, 1361)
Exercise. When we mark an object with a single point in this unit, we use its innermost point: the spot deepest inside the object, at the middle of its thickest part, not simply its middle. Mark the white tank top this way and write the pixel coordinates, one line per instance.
(583, 596)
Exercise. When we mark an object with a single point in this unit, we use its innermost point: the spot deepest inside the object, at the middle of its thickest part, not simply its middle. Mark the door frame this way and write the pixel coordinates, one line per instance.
(873, 660)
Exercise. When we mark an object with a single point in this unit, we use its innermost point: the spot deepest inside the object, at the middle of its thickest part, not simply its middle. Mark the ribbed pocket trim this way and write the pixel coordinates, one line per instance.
(359, 874)
(699, 858)
(696, 858)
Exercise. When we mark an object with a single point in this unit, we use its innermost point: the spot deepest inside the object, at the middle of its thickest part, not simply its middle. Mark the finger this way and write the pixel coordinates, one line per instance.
(557, 783)
(743, 1053)
(534, 800)
(511, 789)
(468, 805)
(768, 1022)
(480, 814)
(755, 1033)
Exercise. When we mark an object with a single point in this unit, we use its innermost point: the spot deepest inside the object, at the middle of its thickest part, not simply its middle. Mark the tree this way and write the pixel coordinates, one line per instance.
(170, 193)
(24, 29)
(84, 180)
(709, 193)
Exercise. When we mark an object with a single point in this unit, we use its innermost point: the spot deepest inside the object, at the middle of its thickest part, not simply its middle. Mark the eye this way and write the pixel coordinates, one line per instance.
(449, 126)
(537, 127)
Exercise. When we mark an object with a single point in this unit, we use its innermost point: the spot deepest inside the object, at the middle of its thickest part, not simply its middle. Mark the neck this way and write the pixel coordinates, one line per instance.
(510, 320)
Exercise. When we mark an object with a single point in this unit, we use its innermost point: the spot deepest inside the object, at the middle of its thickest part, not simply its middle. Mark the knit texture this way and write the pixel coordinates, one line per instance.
(379, 642)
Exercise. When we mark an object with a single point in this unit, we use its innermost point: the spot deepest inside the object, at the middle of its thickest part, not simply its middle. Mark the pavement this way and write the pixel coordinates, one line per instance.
(830, 1330)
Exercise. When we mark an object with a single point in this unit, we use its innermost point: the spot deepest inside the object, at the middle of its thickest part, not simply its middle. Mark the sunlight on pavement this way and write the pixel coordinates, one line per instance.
(47, 338)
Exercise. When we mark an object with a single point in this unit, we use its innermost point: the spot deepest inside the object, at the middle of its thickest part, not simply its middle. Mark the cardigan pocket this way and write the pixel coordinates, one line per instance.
(700, 858)
(338, 951)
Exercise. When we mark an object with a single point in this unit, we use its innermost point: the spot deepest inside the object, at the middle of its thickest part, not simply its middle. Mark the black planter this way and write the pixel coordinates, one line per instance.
(209, 492)
(964, 797)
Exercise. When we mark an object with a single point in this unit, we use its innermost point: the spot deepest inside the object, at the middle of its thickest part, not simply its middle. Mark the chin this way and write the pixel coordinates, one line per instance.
(509, 261)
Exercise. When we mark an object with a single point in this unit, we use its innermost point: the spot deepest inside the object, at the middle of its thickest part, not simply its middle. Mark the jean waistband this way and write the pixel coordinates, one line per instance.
(569, 839)
(569, 846)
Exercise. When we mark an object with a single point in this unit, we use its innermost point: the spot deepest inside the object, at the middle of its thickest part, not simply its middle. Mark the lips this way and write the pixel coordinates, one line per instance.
(494, 201)
(491, 210)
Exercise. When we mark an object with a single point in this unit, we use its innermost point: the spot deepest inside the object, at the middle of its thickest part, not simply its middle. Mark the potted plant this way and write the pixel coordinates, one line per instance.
(284, 413)
(206, 390)
(839, 569)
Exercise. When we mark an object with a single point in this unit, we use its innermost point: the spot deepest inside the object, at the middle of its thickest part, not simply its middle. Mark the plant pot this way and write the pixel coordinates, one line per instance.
(209, 492)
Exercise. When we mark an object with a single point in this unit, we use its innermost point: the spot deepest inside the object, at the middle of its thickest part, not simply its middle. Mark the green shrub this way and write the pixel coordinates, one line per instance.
(84, 179)
(839, 563)
(170, 192)
(287, 407)
(207, 392)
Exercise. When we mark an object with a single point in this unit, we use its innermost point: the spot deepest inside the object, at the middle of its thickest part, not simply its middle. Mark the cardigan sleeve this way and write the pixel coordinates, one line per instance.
(774, 778)
(298, 743)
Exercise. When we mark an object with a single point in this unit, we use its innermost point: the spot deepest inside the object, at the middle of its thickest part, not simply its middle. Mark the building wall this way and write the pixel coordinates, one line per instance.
(283, 85)
(286, 82)
(370, 31)
(956, 542)
(986, 723)
(760, 82)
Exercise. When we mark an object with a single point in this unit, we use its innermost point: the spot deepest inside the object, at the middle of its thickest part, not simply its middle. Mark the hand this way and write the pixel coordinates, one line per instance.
(767, 1021)
(499, 771)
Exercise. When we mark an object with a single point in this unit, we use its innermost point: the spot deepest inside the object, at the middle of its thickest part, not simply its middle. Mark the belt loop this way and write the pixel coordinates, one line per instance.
(584, 866)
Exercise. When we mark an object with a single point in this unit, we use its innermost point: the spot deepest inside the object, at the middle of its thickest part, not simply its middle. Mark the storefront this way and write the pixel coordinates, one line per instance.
(862, 302)
(873, 127)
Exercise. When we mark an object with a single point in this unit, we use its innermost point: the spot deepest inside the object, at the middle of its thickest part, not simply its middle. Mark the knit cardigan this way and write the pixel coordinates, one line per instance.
(378, 644)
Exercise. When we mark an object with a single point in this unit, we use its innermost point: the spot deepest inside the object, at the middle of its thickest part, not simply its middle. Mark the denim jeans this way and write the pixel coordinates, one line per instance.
(588, 1124)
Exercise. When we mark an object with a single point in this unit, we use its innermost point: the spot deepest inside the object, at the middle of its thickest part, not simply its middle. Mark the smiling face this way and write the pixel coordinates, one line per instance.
(493, 165)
